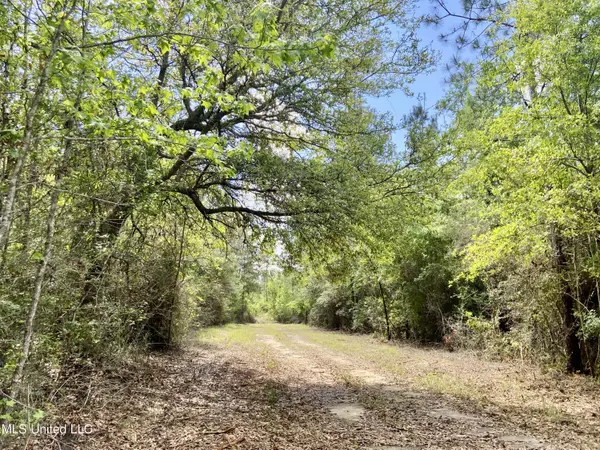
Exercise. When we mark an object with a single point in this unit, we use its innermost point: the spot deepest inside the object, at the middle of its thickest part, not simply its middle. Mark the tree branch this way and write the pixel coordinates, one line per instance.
(269, 216)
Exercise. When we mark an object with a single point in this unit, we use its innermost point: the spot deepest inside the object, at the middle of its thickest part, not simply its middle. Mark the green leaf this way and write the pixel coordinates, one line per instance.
(37, 256)
(164, 46)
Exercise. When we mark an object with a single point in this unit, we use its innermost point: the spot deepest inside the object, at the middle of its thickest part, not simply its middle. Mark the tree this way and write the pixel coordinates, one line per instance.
(260, 107)
(532, 161)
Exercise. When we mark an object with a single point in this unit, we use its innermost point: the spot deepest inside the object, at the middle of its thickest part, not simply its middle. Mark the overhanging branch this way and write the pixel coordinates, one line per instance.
(269, 216)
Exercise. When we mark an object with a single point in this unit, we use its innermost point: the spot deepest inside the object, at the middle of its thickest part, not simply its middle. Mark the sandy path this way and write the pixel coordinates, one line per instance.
(278, 387)
(363, 385)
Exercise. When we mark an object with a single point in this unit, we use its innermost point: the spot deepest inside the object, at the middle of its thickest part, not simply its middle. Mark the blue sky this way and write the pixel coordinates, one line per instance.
(432, 86)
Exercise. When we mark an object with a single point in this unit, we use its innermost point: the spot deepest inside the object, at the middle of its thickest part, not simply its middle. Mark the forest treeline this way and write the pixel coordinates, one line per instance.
(171, 164)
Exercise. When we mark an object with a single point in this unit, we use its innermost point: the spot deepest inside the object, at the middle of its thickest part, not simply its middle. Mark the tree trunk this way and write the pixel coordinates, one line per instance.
(572, 348)
(37, 292)
(574, 360)
(41, 272)
(107, 234)
(385, 311)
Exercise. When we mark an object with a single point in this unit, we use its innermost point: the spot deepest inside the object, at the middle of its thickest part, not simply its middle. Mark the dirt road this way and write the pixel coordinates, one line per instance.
(271, 386)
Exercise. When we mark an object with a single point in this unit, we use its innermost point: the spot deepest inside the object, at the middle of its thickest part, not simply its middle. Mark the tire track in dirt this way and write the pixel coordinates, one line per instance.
(337, 400)
(425, 404)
